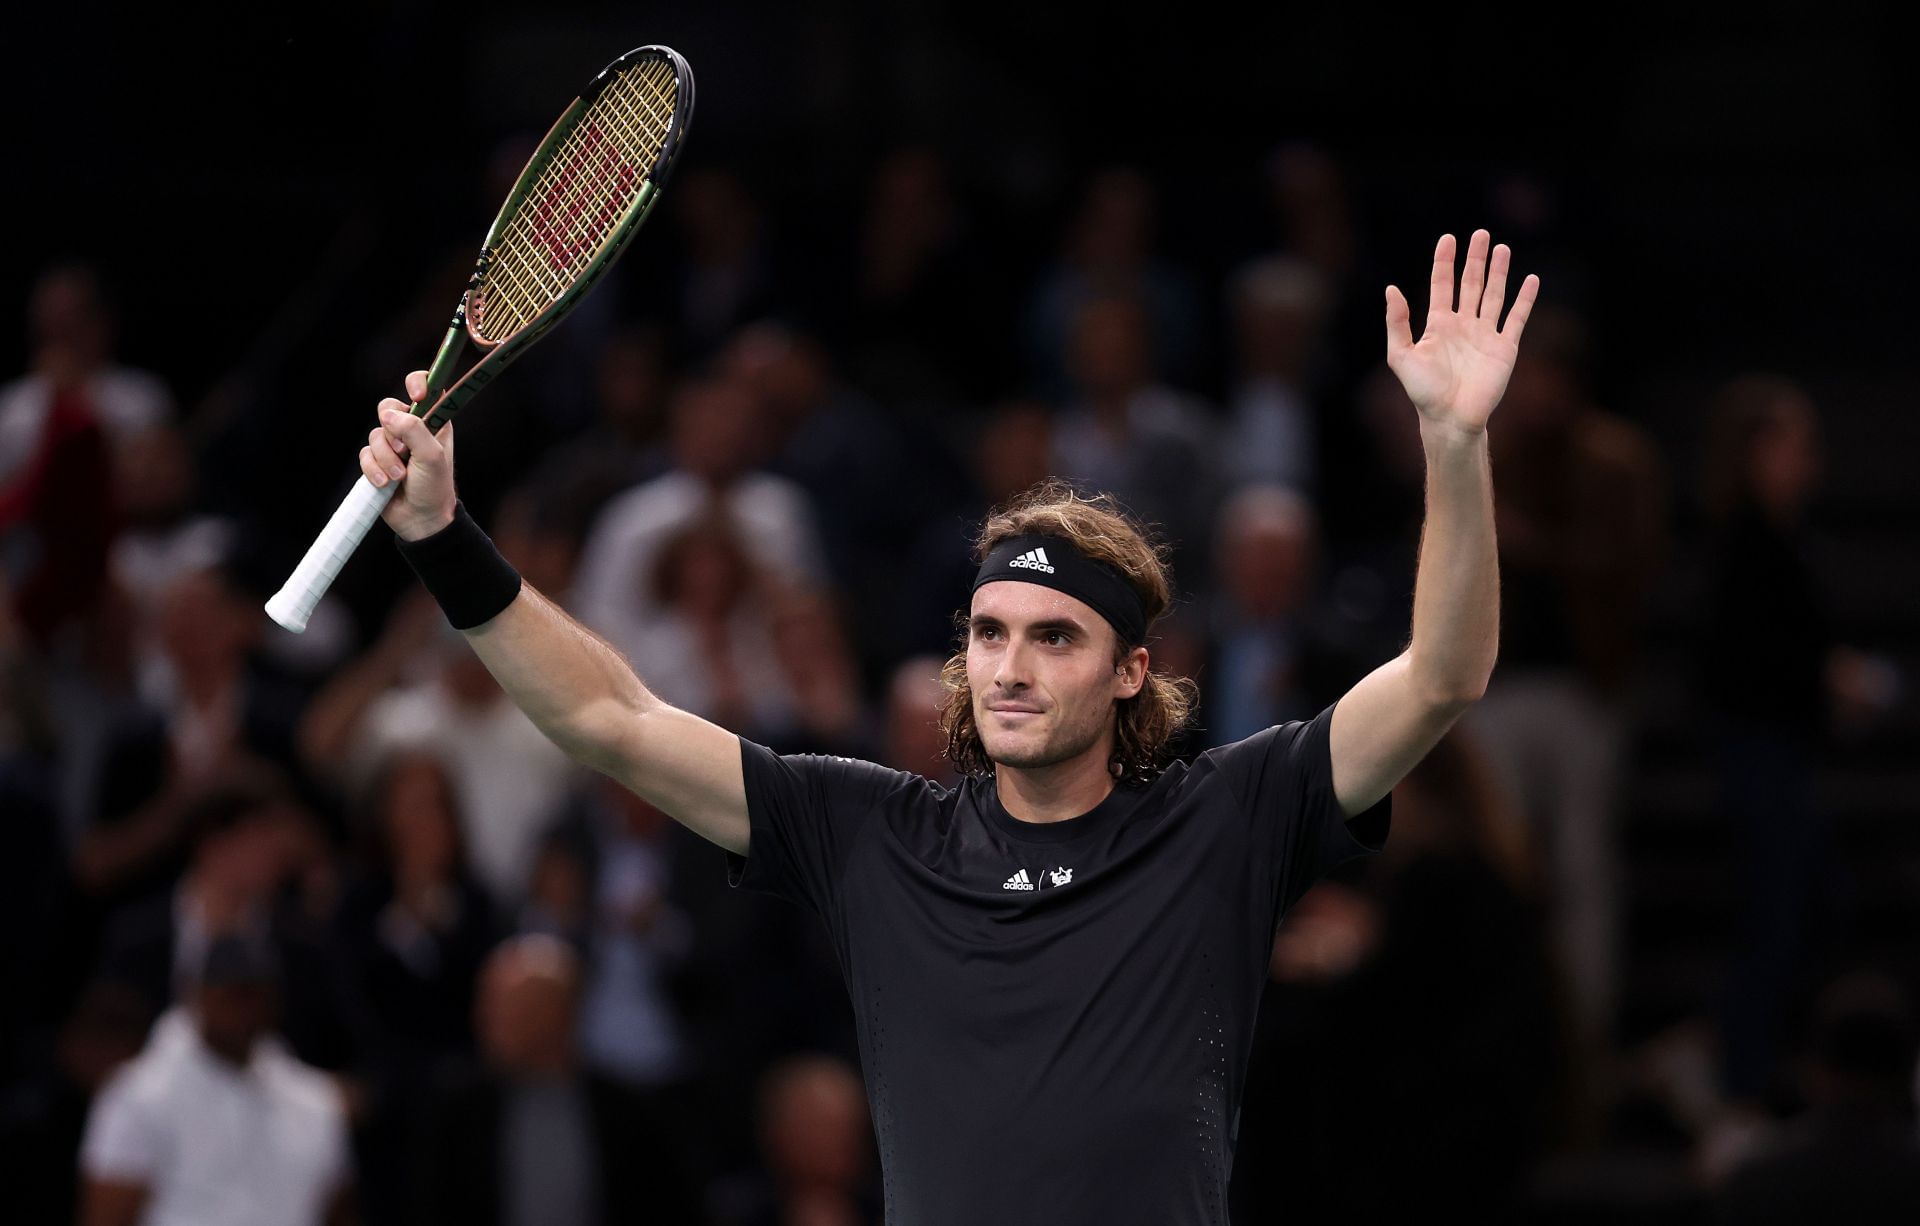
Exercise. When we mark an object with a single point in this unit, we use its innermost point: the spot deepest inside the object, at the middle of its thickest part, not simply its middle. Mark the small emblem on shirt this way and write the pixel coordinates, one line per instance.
(1033, 559)
(1019, 881)
(1060, 876)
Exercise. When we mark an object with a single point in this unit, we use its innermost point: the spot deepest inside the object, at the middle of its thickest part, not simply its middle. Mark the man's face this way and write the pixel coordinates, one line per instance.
(1041, 667)
(233, 1017)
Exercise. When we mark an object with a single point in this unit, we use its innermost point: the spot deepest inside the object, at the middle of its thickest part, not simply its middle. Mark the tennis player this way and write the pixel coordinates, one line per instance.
(1054, 965)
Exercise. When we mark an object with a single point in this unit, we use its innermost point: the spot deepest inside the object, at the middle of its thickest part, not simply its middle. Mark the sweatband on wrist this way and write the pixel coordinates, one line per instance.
(1056, 562)
(462, 570)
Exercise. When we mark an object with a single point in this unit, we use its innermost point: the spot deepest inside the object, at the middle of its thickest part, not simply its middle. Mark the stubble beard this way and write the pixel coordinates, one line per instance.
(1063, 744)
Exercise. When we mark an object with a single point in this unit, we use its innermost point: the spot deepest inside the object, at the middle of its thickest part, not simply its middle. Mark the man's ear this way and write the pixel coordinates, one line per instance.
(1132, 671)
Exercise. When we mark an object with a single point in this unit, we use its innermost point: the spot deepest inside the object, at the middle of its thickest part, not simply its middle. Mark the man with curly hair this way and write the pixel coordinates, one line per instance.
(1054, 964)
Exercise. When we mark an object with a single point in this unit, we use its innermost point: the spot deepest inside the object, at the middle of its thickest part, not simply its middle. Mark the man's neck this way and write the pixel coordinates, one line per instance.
(1058, 792)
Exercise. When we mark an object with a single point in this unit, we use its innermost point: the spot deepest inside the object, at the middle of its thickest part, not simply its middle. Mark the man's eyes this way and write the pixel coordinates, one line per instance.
(1057, 638)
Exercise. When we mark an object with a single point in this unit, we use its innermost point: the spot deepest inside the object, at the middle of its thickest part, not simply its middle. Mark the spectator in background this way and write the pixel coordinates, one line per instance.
(717, 440)
(1012, 450)
(1277, 308)
(820, 671)
(709, 649)
(629, 1027)
(560, 887)
(1127, 433)
(626, 443)
(726, 272)
(412, 931)
(865, 478)
(421, 686)
(61, 428)
(64, 436)
(1272, 660)
(216, 1121)
(912, 334)
(532, 1138)
(415, 926)
(214, 713)
(1108, 252)
(209, 702)
(1853, 1157)
(1307, 191)
(1580, 509)
(1313, 217)
(245, 831)
(1772, 673)
(818, 1148)
(162, 540)
(1436, 1014)
(913, 740)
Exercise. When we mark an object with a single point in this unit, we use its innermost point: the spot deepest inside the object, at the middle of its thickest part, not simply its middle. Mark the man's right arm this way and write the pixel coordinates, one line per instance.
(574, 686)
(585, 696)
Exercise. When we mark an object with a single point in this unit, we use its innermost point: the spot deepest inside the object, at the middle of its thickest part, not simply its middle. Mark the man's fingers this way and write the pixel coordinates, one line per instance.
(1522, 307)
(390, 405)
(410, 430)
(1473, 278)
(1399, 330)
(1496, 295)
(1440, 285)
(370, 468)
(417, 385)
(384, 455)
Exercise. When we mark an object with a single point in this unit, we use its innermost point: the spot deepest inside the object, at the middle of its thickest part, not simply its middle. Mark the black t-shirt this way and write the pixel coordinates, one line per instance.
(1054, 1019)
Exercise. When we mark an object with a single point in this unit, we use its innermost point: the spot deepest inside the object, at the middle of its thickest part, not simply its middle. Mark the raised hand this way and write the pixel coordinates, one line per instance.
(401, 449)
(1458, 370)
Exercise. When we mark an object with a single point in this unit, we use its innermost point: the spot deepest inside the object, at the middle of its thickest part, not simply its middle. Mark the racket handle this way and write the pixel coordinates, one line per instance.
(293, 604)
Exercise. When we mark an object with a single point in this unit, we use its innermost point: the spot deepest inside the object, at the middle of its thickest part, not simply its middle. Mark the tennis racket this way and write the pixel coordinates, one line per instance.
(576, 205)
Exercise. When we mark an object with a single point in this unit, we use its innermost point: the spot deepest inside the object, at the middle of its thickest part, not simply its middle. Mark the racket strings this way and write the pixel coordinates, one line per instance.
(577, 201)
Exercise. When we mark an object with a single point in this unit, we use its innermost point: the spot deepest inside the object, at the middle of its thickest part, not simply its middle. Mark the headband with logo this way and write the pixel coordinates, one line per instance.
(1055, 562)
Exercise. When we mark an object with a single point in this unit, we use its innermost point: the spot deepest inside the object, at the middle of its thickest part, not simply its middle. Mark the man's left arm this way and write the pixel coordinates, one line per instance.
(1455, 376)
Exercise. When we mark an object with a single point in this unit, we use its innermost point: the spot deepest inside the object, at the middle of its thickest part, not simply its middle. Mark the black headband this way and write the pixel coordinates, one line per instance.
(1054, 561)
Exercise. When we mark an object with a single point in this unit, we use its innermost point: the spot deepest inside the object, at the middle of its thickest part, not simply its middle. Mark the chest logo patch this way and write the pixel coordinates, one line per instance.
(1021, 881)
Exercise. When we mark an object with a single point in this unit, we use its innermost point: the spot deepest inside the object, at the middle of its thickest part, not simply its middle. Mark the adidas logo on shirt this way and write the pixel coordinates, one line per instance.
(1019, 881)
(1033, 559)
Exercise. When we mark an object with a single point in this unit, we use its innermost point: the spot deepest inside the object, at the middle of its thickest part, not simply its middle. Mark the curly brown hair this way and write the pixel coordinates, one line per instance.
(1146, 723)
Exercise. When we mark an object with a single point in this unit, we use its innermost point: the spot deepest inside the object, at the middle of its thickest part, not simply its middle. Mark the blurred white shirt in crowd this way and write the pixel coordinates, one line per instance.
(215, 1144)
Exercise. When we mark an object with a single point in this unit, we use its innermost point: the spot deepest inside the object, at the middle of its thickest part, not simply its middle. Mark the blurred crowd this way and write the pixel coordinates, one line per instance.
(325, 917)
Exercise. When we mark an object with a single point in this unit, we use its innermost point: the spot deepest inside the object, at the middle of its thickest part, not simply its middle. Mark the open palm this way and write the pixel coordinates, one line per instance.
(1458, 370)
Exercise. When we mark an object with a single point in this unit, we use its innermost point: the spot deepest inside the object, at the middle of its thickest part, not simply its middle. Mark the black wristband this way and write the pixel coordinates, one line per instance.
(463, 571)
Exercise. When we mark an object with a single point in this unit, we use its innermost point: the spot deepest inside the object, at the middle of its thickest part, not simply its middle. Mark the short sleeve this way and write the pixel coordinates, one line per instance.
(123, 1141)
(806, 812)
(1283, 779)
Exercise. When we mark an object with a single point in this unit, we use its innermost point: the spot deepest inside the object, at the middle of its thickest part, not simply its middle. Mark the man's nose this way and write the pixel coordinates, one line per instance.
(1012, 672)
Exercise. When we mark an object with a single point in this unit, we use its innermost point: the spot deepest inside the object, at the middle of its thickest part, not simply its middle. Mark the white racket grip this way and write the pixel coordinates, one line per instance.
(293, 604)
